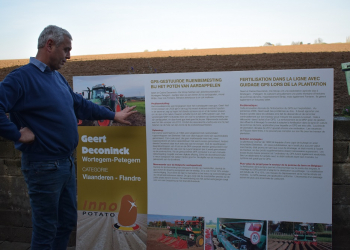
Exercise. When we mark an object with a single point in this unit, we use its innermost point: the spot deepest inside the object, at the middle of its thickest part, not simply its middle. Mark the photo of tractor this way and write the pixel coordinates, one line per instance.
(237, 234)
(284, 235)
(106, 96)
(176, 233)
(305, 233)
(185, 233)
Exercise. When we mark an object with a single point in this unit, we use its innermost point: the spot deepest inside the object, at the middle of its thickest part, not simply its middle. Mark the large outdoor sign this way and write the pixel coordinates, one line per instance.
(216, 159)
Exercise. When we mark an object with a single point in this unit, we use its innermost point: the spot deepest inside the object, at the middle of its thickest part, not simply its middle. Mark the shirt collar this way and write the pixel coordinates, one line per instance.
(42, 66)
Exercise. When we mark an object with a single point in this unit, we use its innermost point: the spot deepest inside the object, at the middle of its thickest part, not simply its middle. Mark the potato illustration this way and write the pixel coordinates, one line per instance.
(128, 211)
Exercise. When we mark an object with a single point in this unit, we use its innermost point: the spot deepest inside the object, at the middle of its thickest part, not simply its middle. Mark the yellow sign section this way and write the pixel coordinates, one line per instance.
(111, 164)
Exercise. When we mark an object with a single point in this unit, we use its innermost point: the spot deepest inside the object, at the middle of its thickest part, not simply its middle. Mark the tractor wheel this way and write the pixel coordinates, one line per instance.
(103, 123)
(199, 241)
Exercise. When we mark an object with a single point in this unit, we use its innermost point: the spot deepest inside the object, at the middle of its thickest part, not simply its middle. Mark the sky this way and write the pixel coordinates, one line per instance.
(116, 26)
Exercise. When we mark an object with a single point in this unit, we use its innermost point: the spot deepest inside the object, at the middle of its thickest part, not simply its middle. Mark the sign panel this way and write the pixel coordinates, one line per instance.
(252, 144)
(244, 153)
(111, 170)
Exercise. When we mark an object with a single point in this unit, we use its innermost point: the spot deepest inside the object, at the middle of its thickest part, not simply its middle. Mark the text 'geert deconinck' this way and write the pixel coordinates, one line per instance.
(101, 139)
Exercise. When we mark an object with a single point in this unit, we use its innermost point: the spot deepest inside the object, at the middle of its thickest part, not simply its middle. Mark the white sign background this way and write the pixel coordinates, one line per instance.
(291, 198)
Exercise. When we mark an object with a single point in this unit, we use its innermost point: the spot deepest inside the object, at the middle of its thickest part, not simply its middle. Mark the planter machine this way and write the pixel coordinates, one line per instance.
(249, 235)
(185, 233)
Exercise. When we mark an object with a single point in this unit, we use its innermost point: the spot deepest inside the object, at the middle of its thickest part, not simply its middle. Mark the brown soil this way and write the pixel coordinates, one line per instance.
(136, 119)
(309, 48)
(154, 234)
(275, 244)
(202, 60)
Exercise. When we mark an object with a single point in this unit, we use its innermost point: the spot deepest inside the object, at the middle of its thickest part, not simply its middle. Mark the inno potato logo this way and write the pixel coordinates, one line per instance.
(127, 215)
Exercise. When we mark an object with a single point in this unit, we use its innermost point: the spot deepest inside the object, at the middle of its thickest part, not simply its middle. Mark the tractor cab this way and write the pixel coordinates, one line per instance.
(100, 95)
(99, 91)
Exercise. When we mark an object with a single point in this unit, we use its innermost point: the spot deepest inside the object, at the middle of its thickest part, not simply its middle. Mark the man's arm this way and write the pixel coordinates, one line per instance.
(87, 110)
(10, 94)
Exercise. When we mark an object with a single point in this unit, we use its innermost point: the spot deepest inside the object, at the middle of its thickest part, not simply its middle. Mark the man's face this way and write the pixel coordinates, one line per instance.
(60, 54)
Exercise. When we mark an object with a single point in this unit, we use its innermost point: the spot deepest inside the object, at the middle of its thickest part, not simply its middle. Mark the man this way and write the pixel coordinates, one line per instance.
(113, 97)
(43, 124)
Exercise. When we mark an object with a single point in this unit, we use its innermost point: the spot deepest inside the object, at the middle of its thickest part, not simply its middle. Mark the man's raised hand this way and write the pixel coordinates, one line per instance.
(122, 116)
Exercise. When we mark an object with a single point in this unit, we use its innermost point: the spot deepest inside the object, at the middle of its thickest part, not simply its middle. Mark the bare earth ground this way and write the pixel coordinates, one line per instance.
(203, 60)
(309, 48)
(154, 234)
(136, 119)
(275, 244)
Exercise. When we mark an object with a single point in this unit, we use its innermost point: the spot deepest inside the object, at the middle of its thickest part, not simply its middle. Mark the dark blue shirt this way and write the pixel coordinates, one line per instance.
(43, 101)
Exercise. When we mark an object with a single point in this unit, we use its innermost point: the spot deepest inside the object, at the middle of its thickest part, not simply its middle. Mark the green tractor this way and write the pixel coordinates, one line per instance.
(103, 95)
(185, 233)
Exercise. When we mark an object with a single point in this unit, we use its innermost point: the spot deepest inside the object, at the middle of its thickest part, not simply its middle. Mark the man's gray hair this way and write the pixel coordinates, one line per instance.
(54, 33)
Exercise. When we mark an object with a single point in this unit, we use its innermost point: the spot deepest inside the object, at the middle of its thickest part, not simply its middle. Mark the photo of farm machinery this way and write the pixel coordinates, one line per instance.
(185, 234)
(304, 233)
(103, 95)
(237, 234)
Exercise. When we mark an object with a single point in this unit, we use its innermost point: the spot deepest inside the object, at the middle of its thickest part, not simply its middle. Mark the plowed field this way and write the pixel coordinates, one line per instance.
(202, 60)
(289, 245)
(154, 234)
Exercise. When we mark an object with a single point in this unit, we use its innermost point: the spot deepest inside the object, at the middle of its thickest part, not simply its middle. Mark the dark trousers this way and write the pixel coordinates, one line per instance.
(52, 193)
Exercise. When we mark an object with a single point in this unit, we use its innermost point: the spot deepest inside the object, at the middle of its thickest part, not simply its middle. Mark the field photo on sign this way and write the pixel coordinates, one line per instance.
(114, 93)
